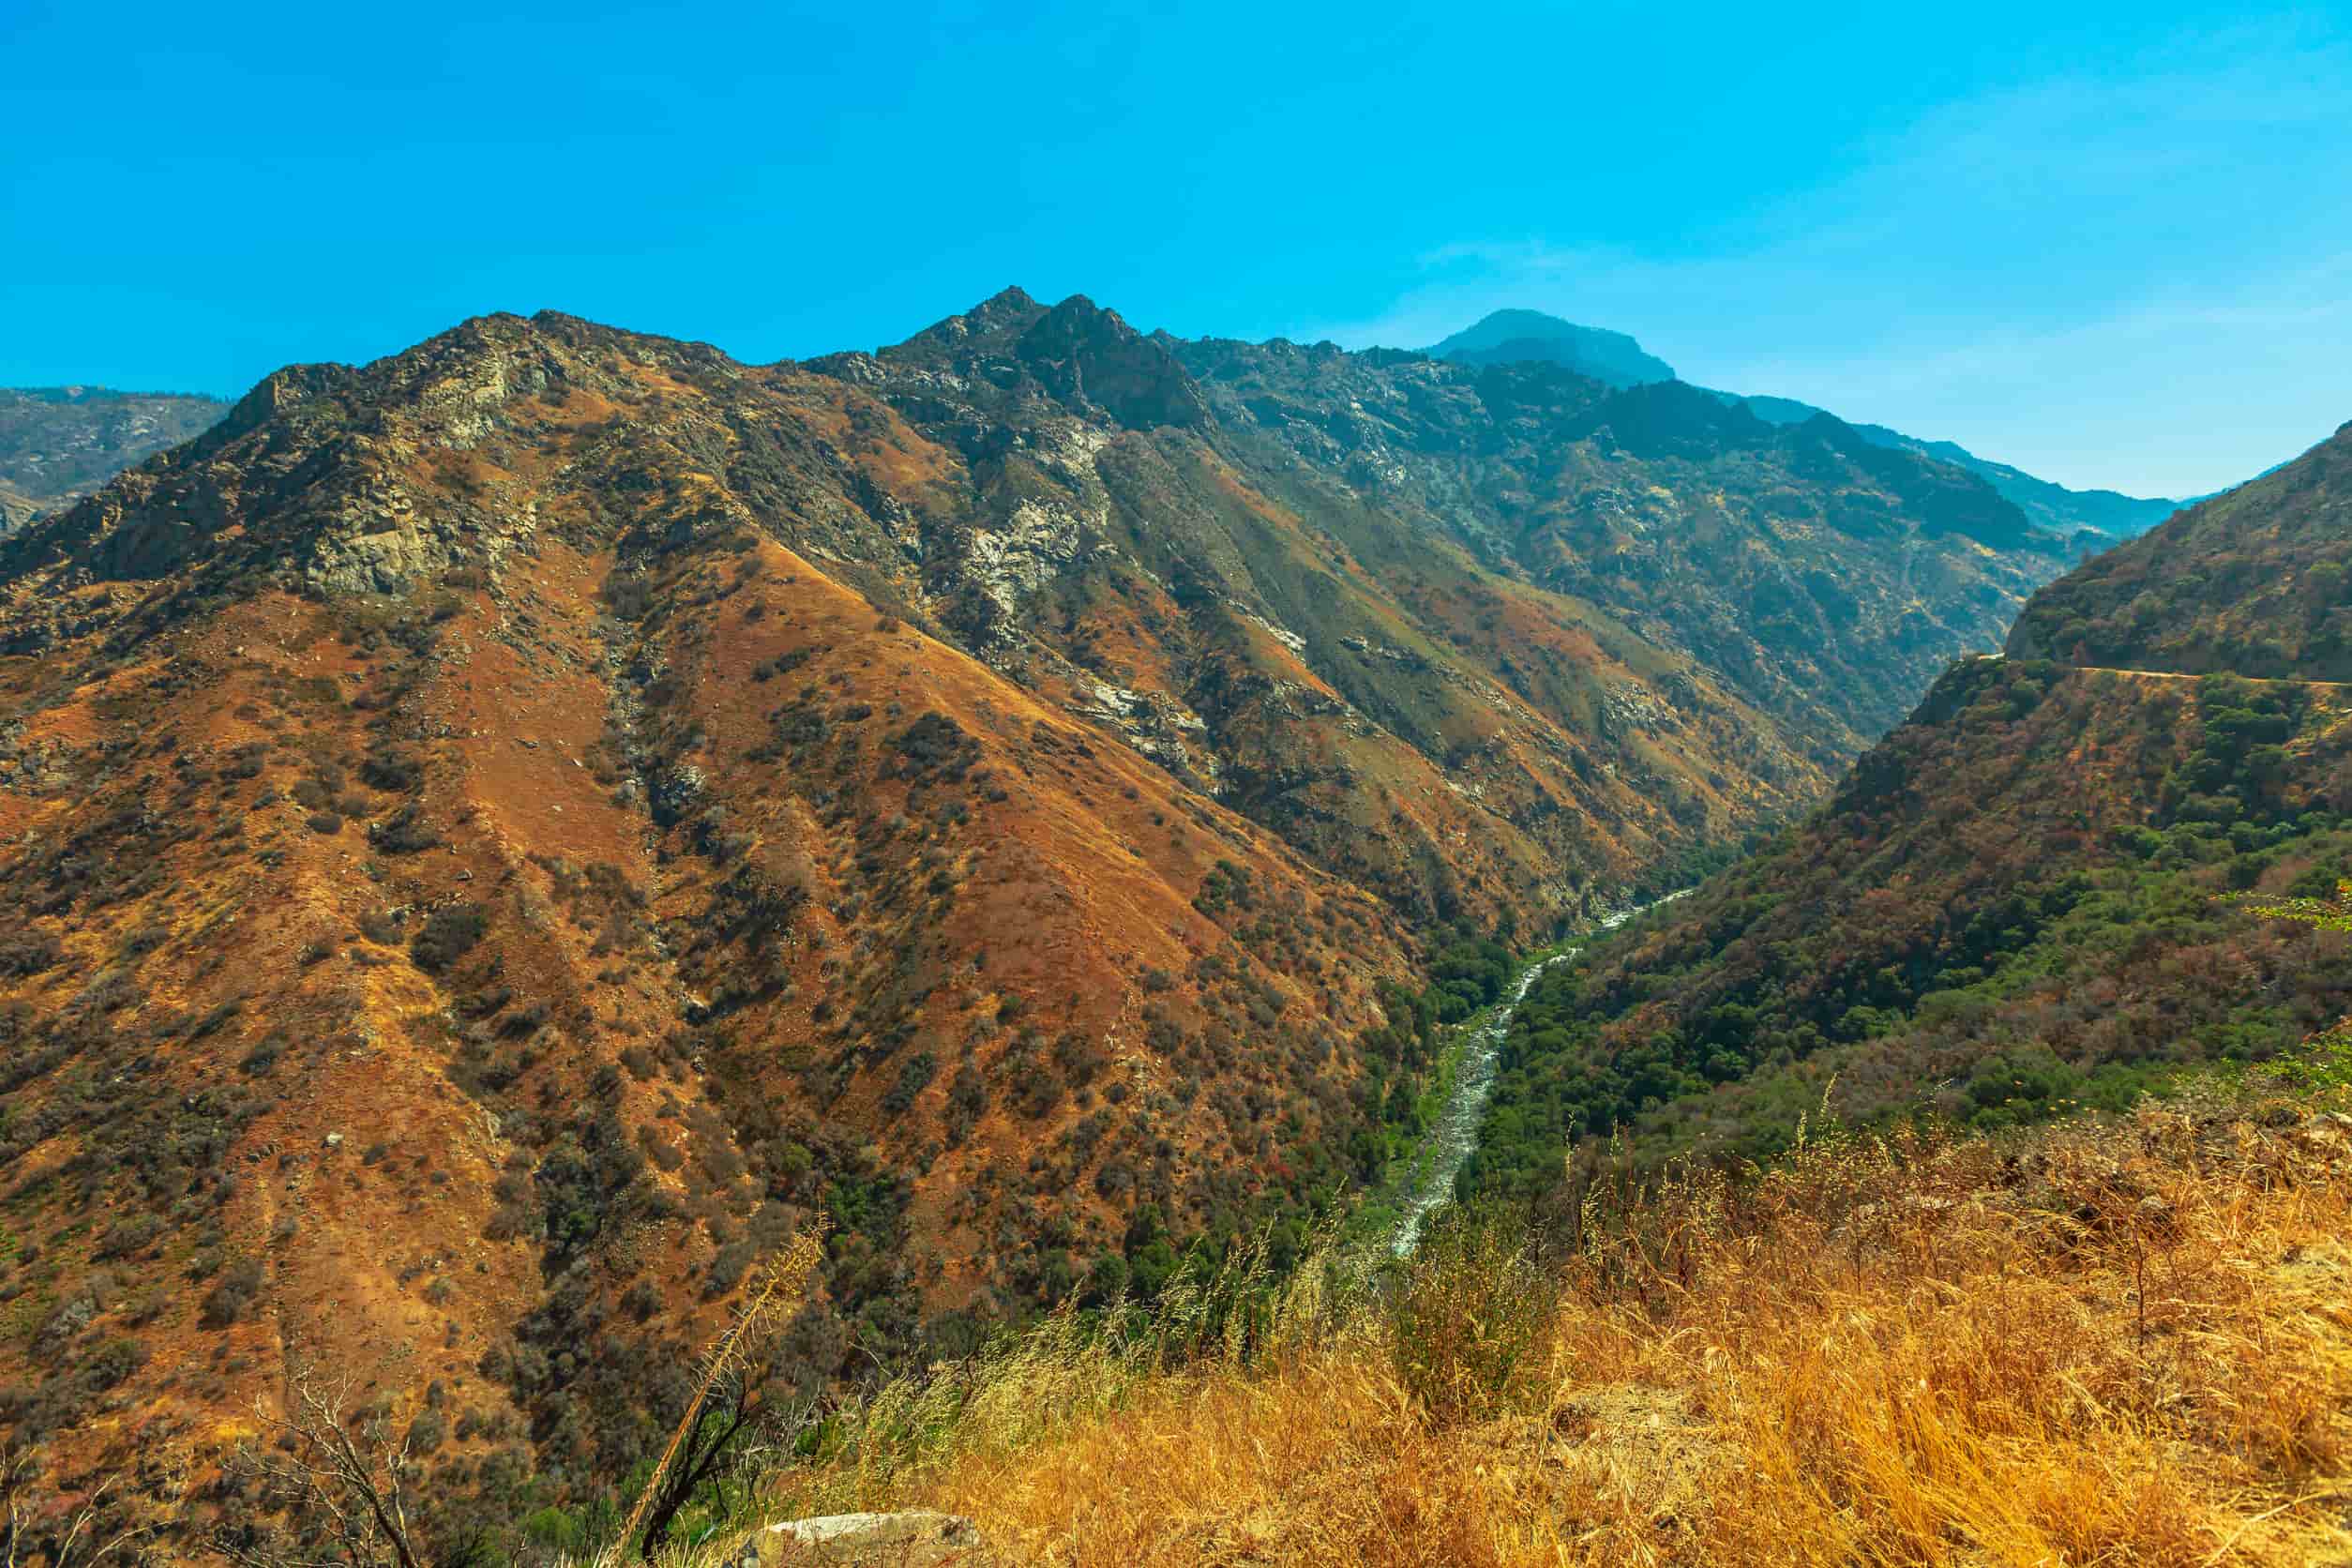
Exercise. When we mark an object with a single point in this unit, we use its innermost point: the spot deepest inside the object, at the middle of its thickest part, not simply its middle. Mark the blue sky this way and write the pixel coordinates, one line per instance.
(2113, 246)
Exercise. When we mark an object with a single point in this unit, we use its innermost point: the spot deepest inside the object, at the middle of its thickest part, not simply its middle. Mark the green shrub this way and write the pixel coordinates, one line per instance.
(1473, 1322)
(449, 934)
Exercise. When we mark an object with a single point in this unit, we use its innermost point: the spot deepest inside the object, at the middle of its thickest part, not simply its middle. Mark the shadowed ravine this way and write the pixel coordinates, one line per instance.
(1457, 1131)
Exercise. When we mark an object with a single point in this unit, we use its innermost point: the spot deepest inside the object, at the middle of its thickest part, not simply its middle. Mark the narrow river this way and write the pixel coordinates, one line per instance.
(1457, 1132)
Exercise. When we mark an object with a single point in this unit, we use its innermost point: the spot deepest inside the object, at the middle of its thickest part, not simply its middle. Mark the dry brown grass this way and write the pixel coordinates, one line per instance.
(2124, 1345)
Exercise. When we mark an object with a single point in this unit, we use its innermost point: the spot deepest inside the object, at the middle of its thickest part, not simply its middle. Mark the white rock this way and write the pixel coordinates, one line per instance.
(917, 1539)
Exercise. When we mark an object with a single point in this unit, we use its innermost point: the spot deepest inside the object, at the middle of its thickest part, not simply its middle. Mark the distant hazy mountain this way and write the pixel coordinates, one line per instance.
(1511, 336)
(2047, 502)
(58, 443)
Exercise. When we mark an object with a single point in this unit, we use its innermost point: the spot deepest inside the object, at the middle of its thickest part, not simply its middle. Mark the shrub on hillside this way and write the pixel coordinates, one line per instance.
(402, 833)
(231, 1294)
(449, 934)
(393, 772)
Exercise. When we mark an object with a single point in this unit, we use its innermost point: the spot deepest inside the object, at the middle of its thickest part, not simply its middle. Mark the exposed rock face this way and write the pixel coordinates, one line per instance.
(1083, 354)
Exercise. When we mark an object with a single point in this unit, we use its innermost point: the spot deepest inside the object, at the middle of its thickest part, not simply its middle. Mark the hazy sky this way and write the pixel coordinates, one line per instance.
(2114, 247)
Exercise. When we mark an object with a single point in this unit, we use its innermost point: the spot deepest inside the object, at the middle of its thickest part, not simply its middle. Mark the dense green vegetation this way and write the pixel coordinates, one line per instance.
(2253, 581)
(1903, 955)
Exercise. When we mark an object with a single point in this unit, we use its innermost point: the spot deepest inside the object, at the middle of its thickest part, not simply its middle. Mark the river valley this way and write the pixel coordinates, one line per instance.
(1456, 1133)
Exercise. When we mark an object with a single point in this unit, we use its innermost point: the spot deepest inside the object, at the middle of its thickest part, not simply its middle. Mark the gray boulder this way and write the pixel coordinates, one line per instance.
(918, 1539)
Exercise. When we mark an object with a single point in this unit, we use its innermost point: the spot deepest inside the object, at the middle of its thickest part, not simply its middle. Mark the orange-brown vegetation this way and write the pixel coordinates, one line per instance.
(499, 838)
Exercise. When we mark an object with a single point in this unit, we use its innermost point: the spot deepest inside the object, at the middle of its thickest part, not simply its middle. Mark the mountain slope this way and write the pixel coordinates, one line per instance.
(1405, 713)
(475, 886)
(1508, 337)
(2023, 899)
(57, 442)
(498, 837)
(2254, 582)
(1824, 579)
(2051, 506)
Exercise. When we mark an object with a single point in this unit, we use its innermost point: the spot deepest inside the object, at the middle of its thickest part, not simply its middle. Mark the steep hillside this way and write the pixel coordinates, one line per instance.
(498, 838)
(2041, 892)
(2109, 514)
(1513, 337)
(487, 859)
(2254, 581)
(1823, 579)
(57, 442)
(1407, 716)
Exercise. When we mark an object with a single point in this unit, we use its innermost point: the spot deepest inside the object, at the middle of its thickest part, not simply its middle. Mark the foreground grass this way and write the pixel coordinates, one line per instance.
(2120, 1344)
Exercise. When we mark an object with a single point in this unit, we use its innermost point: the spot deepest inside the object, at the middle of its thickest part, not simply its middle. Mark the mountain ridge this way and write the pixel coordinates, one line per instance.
(2109, 513)
(2248, 582)
(59, 443)
(499, 837)
(1521, 335)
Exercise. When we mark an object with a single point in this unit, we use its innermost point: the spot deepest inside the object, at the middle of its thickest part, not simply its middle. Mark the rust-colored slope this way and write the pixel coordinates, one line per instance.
(498, 838)
(458, 987)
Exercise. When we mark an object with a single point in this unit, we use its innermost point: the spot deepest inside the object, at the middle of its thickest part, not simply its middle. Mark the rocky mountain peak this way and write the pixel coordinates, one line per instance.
(1080, 350)
(993, 321)
(1516, 335)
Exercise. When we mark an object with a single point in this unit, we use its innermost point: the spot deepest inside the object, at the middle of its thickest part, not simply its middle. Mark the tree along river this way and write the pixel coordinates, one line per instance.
(1457, 1131)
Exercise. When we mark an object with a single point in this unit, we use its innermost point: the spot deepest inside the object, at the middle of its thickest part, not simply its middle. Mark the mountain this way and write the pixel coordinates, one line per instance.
(497, 838)
(1505, 337)
(1508, 337)
(1826, 579)
(2109, 513)
(2041, 893)
(2250, 582)
(57, 442)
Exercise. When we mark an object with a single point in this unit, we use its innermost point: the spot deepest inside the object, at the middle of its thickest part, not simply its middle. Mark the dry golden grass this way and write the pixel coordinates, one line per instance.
(2120, 1345)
